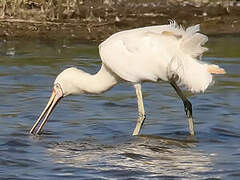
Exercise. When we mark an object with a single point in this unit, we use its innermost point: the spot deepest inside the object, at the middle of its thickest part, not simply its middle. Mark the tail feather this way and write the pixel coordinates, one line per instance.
(193, 29)
(192, 42)
(192, 73)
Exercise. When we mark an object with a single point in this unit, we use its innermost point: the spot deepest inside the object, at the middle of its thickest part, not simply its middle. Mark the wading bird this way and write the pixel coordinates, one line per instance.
(149, 54)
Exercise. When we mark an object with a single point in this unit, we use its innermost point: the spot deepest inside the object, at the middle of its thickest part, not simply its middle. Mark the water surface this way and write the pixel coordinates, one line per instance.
(89, 137)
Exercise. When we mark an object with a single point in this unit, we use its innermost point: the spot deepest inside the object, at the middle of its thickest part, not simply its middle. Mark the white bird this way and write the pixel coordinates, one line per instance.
(155, 53)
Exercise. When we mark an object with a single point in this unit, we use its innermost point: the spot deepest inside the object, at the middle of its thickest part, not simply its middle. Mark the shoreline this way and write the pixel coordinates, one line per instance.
(97, 21)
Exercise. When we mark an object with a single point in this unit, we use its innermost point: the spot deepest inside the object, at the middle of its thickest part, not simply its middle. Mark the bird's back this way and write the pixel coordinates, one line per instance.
(157, 52)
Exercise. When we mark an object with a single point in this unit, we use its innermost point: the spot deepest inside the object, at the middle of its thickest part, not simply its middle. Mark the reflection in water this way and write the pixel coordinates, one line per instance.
(152, 156)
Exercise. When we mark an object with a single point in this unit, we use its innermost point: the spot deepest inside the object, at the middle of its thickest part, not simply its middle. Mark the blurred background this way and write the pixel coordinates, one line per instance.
(97, 19)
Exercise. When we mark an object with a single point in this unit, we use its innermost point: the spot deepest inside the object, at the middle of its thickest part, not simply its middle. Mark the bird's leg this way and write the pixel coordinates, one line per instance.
(141, 112)
(187, 105)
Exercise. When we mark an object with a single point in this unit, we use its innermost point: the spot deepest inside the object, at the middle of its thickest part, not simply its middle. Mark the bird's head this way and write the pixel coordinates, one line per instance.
(64, 85)
(68, 82)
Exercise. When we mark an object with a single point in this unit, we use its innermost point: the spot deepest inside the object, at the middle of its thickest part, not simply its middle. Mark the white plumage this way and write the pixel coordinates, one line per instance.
(166, 52)
(155, 53)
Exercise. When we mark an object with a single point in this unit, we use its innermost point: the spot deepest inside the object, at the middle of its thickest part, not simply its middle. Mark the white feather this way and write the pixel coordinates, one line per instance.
(156, 53)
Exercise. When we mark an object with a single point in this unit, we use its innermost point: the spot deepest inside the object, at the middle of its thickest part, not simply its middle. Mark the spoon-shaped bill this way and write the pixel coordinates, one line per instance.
(54, 99)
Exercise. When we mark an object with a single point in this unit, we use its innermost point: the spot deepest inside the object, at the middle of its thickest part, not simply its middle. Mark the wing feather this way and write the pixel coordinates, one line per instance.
(137, 57)
(158, 52)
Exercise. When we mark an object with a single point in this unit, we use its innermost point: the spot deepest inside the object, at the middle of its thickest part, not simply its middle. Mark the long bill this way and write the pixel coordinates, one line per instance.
(54, 99)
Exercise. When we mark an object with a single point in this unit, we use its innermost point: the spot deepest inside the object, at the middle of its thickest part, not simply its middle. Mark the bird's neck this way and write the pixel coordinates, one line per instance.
(98, 83)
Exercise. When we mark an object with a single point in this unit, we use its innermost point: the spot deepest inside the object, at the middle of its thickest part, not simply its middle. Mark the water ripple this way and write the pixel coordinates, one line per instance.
(89, 137)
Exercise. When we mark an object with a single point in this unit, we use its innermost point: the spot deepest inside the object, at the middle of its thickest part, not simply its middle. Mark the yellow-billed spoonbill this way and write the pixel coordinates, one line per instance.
(156, 53)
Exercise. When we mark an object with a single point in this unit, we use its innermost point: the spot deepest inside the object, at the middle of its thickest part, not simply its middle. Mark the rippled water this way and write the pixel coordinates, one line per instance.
(90, 136)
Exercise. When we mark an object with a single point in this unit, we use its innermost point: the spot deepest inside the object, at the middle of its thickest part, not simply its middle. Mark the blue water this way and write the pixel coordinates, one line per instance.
(89, 137)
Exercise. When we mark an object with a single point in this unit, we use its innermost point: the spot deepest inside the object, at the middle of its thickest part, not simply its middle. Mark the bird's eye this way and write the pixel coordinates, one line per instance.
(57, 86)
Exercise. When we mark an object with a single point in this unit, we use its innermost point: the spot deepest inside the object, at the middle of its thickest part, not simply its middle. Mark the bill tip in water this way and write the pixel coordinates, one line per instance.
(57, 94)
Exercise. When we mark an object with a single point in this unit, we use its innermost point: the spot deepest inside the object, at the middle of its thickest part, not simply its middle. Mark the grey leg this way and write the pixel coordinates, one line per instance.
(187, 105)
(141, 112)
